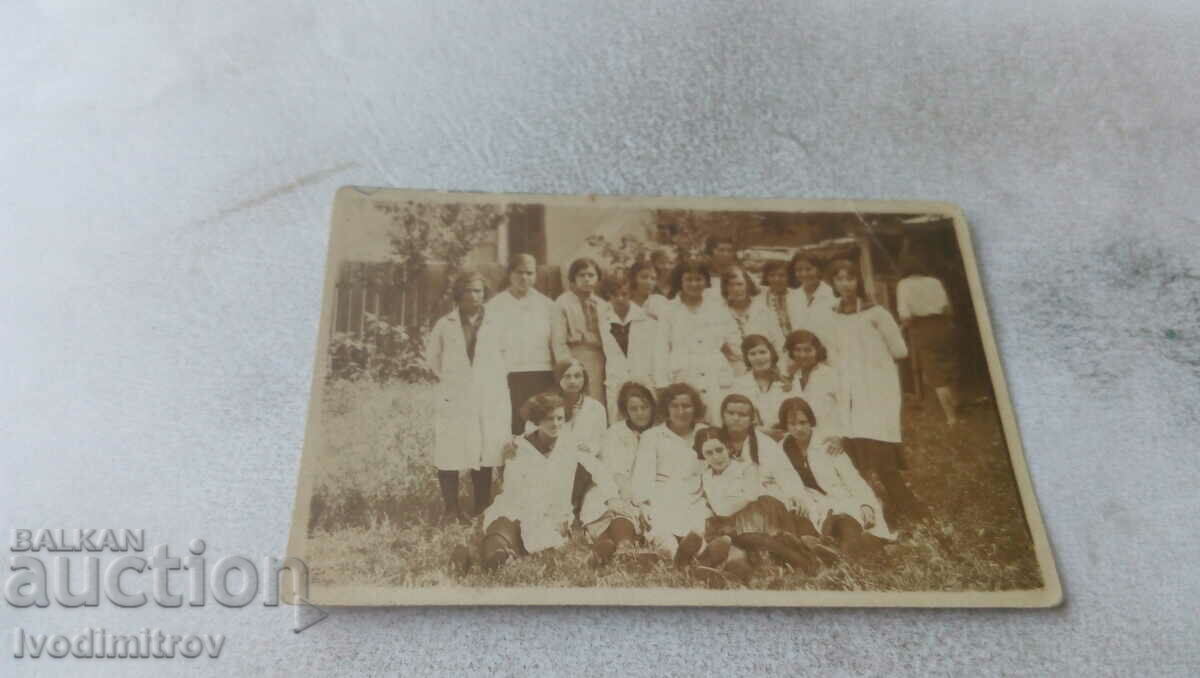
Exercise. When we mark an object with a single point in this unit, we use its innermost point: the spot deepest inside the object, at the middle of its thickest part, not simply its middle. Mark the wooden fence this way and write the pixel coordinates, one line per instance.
(386, 289)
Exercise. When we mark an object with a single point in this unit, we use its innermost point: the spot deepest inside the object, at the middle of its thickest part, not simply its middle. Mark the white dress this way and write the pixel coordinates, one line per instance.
(766, 403)
(816, 315)
(689, 350)
(825, 395)
(868, 345)
(636, 364)
(666, 481)
(472, 417)
(618, 453)
(759, 319)
(537, 491)
(844, 489)
(733, 489)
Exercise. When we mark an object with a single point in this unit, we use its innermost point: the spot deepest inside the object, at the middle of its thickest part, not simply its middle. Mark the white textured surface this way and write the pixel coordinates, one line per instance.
(167, 174)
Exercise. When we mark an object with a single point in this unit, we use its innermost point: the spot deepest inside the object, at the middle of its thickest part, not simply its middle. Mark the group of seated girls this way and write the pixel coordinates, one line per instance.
(710, 497)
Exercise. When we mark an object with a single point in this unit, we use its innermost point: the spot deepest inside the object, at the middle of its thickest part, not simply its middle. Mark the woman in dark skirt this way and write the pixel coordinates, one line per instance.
(744, 515)
(924, 310)
(525, 317)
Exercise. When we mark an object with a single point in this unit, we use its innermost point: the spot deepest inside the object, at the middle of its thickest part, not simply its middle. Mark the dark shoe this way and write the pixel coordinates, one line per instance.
(689, 546)
(461, 559)
(602, 553)
(716, 553)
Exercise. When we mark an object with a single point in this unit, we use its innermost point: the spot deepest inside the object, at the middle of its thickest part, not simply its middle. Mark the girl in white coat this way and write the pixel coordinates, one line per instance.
(533, 513)
(629, 335)
(749, 314)
(815, 380)
(697, 338)
(868, 345)
(812, 299)
(666, 474)
(762, 383)
(615, 519)
(472, 419)
(848, 509)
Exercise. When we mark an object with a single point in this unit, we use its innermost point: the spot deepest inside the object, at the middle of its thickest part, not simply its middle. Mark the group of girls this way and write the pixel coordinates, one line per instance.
(594, 403)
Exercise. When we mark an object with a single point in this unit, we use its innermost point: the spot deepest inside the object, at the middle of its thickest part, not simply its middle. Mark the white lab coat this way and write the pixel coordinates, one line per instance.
(537, 491)
(845, 490)
(472, 417)
(636, 365)
(868, 345)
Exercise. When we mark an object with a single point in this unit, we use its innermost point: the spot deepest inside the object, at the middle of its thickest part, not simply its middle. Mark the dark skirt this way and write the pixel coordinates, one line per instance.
(521, 387)
(765, 515)
(875, 455)
(932, 342)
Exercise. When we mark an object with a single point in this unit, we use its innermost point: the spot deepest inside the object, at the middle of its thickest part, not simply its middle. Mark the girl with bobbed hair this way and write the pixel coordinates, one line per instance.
(643, 278)
(744, 514)
(868, 345)
(815, 380)
(812, 299)
(613, 520)
(471, 417)
(697, 338)
(666, 472)
(629, 334)
(763, 383)
(576, 327)
(533, 513)
(848, 510)
(777, 295)
(748, 313)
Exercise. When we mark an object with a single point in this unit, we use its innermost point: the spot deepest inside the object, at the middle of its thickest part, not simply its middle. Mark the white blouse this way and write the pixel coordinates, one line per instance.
(918, 296)
(524, 330)
(537, 491)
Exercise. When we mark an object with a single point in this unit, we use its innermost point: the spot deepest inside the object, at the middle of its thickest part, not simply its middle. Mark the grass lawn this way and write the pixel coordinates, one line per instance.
(376, 505)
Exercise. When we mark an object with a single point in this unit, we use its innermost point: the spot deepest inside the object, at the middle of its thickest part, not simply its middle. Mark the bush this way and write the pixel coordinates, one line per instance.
(384, 352)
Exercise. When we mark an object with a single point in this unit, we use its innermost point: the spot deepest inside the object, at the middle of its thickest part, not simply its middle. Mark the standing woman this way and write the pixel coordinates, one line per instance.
(472, 420)
(812, 299)
(576, 323)
(696, 338)
(613, 520)
(628, 334)
(533, 513)
(816, 381)
(643, 288)
(749, 313)
(925, 311)
(663, 262)
(722, 257)
(869, 344)
(523, 315)
(777, 296)
(762, 383)
(666, 473)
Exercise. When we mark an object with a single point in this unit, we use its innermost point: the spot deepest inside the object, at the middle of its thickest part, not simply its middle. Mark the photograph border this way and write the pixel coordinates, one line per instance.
(1050, 595)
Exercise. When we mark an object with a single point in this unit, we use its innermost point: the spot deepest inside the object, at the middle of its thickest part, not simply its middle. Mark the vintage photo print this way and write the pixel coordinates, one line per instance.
(523, 399)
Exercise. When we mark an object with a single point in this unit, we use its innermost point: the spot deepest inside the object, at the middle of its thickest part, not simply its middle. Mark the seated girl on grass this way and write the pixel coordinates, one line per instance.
(533, 512)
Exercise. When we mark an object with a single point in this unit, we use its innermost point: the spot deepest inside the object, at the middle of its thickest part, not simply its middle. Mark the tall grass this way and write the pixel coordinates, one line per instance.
(376, 505)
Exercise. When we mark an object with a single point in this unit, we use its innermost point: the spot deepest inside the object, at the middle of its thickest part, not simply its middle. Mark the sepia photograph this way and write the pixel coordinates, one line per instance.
(524, 399)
